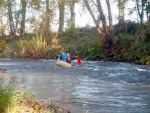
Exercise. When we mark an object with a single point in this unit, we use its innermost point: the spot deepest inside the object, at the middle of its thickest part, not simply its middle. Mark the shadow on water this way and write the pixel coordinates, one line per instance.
(93, 87)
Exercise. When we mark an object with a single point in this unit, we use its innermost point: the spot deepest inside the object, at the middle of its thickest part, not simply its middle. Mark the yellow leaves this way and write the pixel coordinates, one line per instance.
(2, 43)
(22, 103)
(61, 1)
(35, 47)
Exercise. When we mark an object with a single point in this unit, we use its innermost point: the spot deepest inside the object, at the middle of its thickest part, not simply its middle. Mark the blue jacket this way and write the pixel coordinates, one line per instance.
(63, 57)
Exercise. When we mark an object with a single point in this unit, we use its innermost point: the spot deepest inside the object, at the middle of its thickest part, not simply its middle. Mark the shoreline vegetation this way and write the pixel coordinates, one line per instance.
(24, 101)
(29, 25)
(132, 44)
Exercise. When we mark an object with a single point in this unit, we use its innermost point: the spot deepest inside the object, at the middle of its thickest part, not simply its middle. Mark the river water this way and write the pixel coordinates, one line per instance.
(93, 87)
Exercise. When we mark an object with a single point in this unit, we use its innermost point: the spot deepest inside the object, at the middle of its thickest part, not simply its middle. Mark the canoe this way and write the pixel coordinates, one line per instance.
(62, 63)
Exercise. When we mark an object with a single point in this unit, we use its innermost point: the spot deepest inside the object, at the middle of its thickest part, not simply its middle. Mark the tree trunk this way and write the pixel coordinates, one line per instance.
(111, 31)
(141, 14)
(94, 19)
(23, 13)
(0, 18)
(1, 22)
(148, 11)
(106, 34)
(1, 2)
(102, 16)
(47, 26)
(11, 22)
(72, 10)
(61, 16)
(16, 17)
(121, 7)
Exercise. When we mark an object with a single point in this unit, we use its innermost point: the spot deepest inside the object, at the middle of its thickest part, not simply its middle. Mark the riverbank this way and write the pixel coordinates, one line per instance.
(24, 101)
(132, 44)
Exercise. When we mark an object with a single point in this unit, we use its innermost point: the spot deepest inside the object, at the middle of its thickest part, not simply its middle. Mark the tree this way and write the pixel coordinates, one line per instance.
(140, 9)
(143, 6)
(1, 2)
(147, 8)
(121, 7)
(2, 26)
(23, 15)
(11, 21)
(106, 32)
(72, 12)
(1, 13)
(47, 23)
(61, 5)
(1, 16)
(110, 29)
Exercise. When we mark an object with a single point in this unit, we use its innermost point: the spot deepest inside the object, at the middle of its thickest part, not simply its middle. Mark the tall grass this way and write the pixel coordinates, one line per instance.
(19, 101)
(35, 47)
(6, 95)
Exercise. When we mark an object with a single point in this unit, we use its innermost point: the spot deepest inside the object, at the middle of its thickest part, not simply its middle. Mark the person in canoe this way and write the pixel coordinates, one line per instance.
(64, 57)
(68, 59)
(78, 60)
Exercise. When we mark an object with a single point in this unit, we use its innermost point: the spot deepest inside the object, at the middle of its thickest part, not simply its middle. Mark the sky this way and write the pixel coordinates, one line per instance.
(86, 19)
(83, 18)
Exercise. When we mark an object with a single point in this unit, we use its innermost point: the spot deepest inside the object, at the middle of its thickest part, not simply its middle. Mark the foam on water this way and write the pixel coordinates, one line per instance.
(95, 86)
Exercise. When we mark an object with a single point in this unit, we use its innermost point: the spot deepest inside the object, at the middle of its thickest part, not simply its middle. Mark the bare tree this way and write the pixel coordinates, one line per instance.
(61, 5)
(106, 32)
(147, 8)
(121, 7)
(93, 17)
(72, 12)
(1, 23)
(47, 23)
(140, 9)
(11, 21)
(23, 15)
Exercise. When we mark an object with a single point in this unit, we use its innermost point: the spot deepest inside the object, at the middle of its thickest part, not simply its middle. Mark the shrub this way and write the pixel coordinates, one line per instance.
(35, 47)
(6, 95)
(2, 44)
(20, 101)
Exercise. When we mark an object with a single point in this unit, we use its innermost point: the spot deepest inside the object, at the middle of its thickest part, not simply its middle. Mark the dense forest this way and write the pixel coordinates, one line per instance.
(27, 29)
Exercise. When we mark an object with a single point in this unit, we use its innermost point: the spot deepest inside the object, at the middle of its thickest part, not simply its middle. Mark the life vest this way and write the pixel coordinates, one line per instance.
(78, 61)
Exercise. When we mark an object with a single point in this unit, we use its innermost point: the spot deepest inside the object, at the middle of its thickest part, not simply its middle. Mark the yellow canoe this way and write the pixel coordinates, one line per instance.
(62, 63)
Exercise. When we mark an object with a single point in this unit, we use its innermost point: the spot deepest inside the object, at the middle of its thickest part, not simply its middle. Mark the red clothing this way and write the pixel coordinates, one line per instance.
(78, 61)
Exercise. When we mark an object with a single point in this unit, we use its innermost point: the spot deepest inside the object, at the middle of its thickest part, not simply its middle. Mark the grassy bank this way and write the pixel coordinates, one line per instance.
(132, 44)
(19, 101)
(24, 101)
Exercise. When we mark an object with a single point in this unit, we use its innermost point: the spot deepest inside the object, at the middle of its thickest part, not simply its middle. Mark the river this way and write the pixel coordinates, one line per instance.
(92, 87)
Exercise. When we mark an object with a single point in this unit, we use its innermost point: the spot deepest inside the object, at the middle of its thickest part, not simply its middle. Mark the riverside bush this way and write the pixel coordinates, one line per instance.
(83, 42)
(132, 48)
(88, 48)
(35, 47)
(6, 95)
(131, 44)
(19, 101)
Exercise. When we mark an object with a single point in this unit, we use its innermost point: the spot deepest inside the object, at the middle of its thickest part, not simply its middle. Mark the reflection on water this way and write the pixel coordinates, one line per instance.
(93, 87)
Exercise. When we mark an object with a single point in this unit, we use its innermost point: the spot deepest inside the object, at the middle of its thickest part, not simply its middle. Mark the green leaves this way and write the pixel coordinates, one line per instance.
(6, 94)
